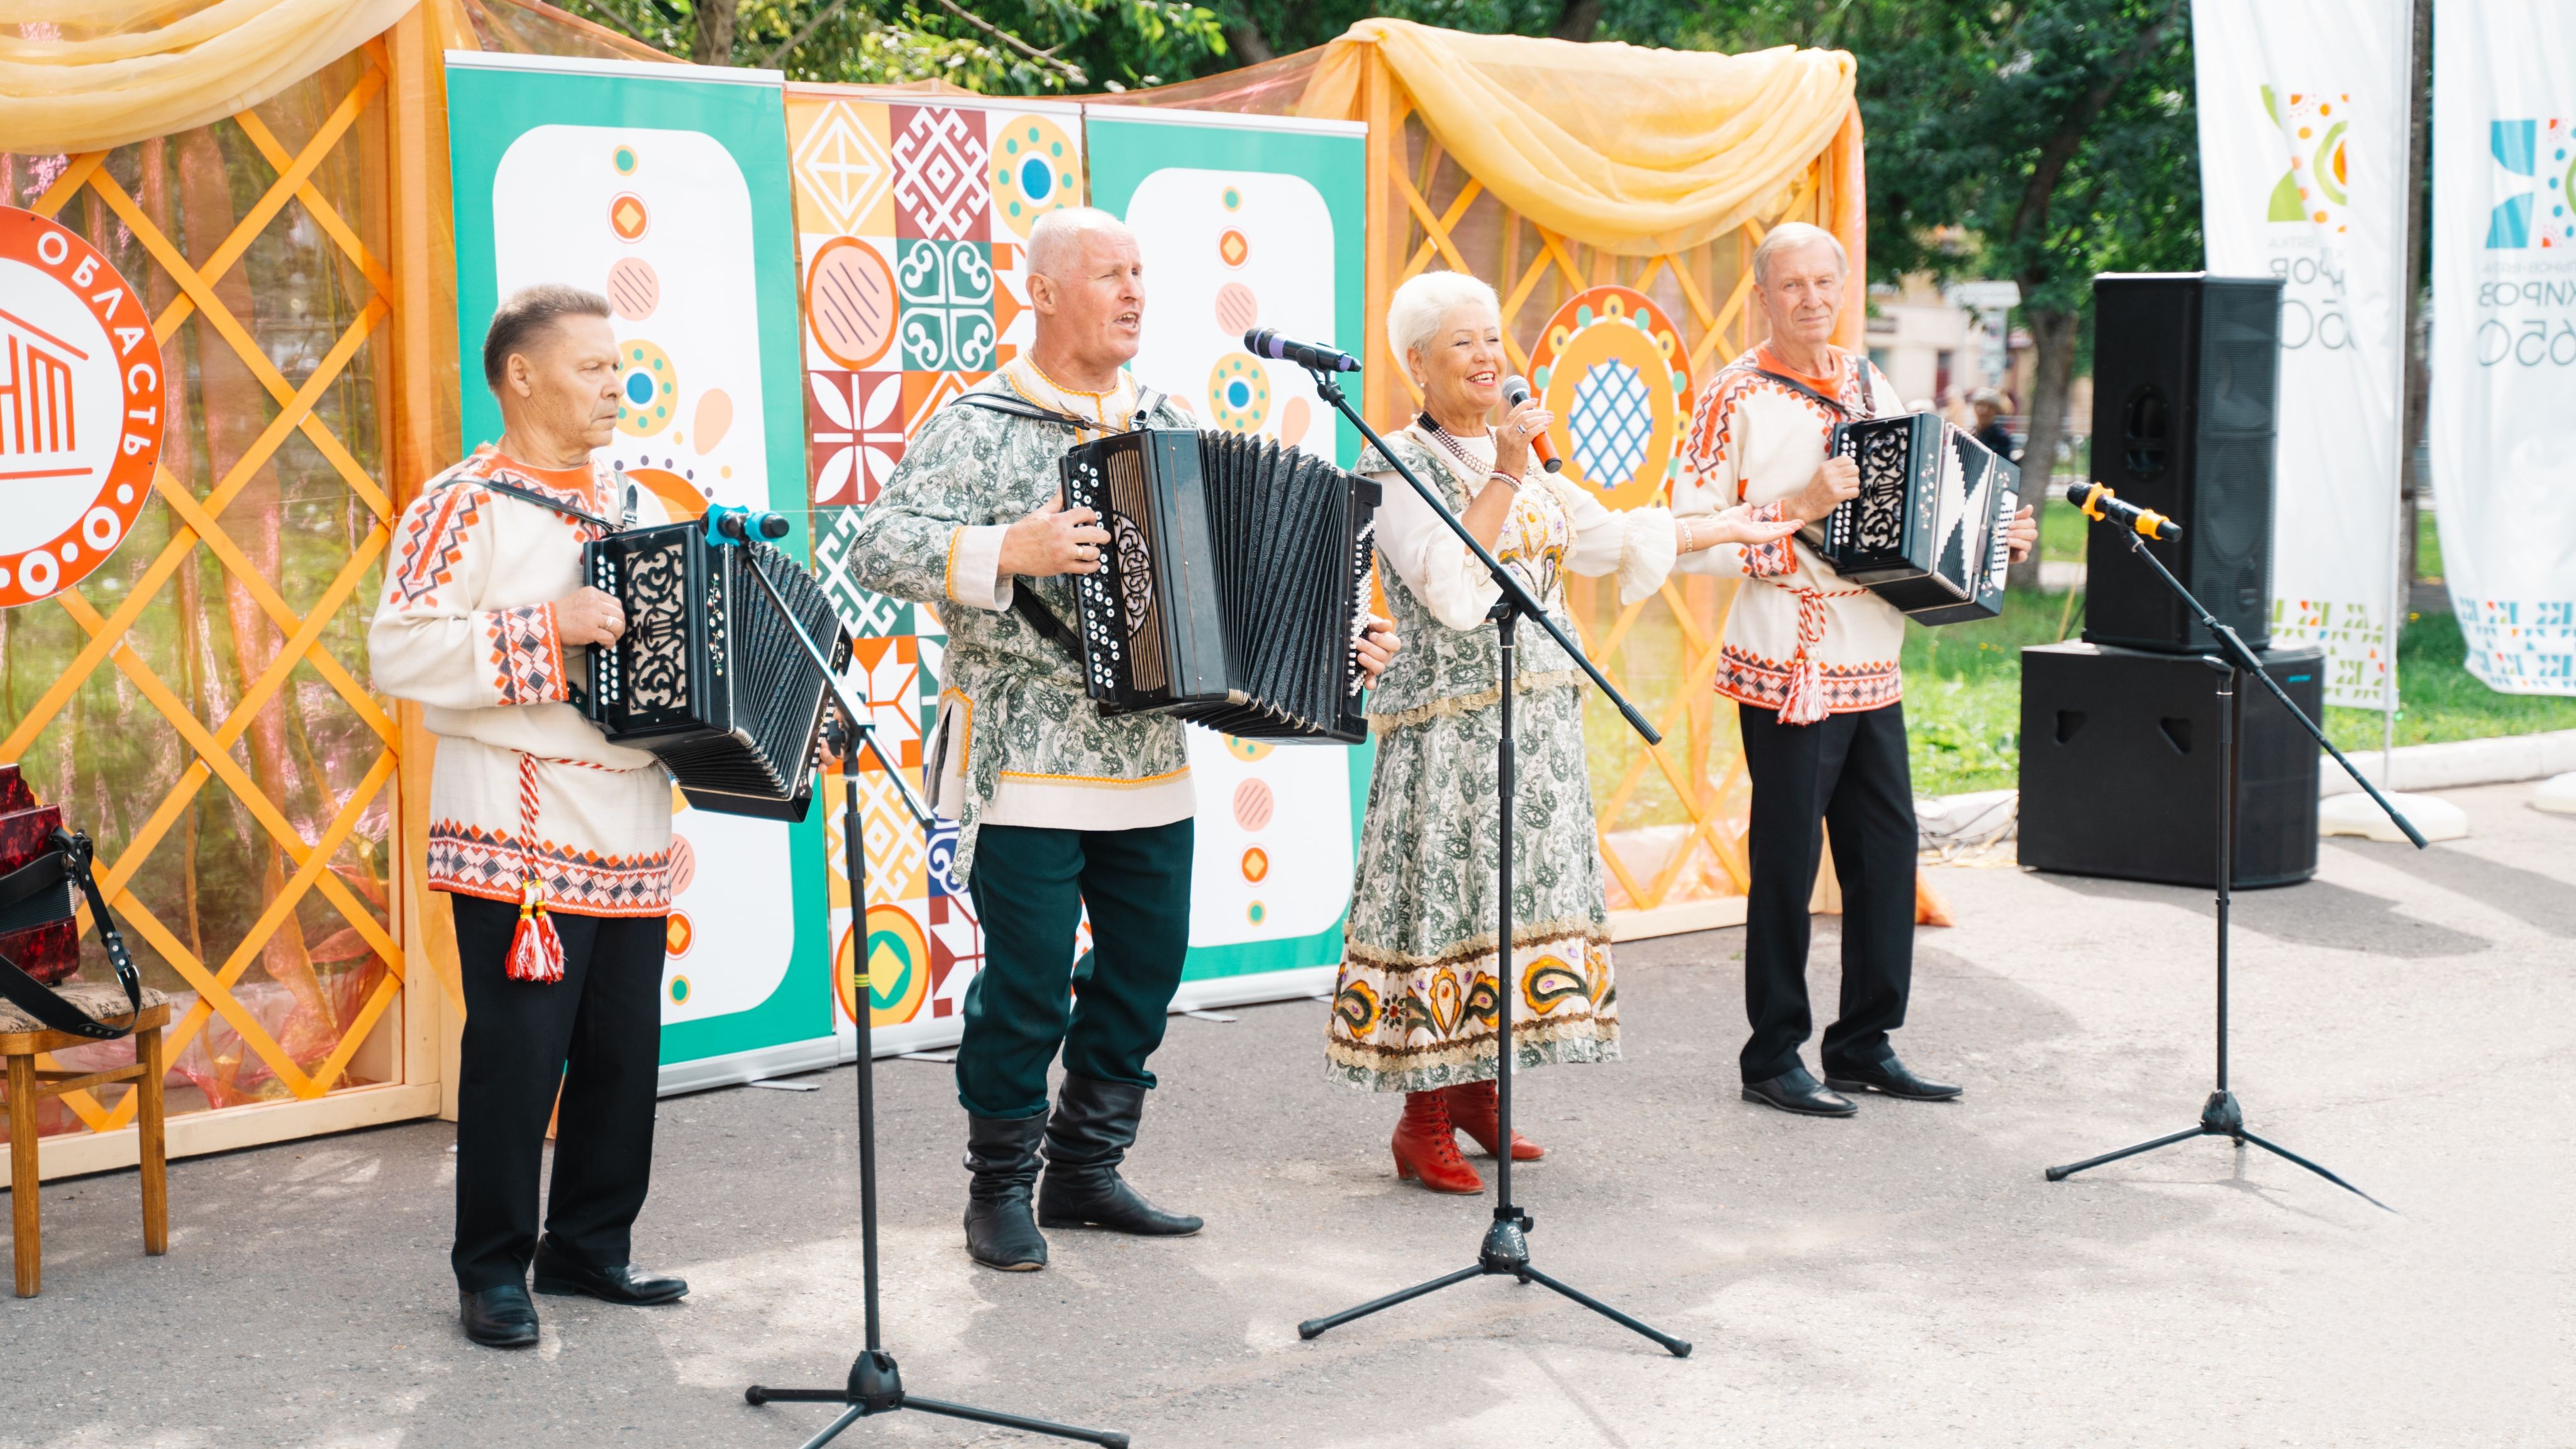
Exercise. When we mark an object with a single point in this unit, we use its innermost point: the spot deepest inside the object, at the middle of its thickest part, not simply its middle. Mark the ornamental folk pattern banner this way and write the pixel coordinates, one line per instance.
(2504, 335)
(2302, 151)
(913, 219)
(913, 223)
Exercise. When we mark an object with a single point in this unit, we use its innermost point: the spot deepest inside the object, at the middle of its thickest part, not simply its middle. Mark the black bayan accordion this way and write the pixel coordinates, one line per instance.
(1235, 584)
(1929, 530)
(709, 676)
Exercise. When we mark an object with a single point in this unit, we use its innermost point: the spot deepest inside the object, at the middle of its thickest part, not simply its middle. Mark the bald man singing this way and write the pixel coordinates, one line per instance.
(1058, 805)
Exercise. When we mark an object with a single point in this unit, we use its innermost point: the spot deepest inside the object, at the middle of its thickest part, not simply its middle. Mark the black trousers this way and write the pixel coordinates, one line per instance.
(1847, 771)
(596, 1035)
(1106, 1012)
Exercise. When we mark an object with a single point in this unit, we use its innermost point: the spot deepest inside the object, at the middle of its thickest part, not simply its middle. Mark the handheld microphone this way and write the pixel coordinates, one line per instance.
(1516, 390)
(726, 525)
(2099, 505)
(1266, 342)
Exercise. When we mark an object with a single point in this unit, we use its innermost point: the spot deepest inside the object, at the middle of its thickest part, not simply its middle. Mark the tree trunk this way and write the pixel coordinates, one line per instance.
(713, 44)
(2052, 345)
(1249, 45)
(1578, 20)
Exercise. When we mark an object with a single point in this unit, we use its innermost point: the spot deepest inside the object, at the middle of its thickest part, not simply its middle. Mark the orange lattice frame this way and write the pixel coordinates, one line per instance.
(195, 526)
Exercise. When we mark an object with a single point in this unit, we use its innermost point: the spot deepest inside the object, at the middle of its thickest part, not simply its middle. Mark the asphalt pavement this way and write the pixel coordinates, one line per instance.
(1906, 1277)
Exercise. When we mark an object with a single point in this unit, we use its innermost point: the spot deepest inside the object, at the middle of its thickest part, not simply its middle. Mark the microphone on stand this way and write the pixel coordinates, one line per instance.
(2099, 505)
(1266, 342)
(1516, 390)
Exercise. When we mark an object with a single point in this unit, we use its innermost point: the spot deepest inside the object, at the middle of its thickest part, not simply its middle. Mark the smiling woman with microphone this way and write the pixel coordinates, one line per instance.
(1415, 1009)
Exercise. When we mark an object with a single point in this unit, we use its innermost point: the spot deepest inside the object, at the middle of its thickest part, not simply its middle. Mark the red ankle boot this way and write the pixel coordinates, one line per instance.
(1473, 1109)
(1426, 1146)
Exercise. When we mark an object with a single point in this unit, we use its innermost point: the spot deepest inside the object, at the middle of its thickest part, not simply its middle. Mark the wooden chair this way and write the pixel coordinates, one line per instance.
(22, 1039)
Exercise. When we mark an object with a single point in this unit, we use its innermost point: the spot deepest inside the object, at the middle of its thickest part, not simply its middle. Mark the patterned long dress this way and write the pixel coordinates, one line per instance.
(1417, 1003)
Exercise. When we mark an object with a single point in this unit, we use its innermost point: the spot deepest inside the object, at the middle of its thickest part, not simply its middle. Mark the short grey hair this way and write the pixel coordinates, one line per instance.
(526, 314)
(1416, 310)
(1790, 236)
(1055, 241)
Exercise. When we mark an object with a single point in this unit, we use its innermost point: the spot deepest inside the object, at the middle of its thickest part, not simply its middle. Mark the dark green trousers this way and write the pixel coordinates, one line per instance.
(1106, 1012)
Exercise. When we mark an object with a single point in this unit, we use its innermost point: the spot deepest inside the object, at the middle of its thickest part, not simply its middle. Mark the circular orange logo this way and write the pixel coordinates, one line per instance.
(80, 407)
(679, 933)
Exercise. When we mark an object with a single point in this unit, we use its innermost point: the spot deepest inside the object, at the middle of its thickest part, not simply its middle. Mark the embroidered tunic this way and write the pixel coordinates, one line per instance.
(524, 786)
(1416, 1006)
(1018, 740)
(1803, 641)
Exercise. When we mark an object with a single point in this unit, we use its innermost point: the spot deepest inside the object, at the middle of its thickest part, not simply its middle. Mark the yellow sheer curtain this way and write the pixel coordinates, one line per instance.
(1636, 151)
(90, 75)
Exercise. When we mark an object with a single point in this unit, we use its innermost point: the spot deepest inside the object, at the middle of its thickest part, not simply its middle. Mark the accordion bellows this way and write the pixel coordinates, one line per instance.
(1234, 585)
(1928, 532)
(709, 675)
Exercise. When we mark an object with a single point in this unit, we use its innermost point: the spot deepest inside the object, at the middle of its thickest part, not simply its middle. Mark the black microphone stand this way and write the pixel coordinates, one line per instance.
(875, 1385)
(2220, 1116)
(1505, 1251)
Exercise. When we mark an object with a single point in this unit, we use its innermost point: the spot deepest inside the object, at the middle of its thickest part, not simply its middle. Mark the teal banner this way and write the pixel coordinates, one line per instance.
(666, 190)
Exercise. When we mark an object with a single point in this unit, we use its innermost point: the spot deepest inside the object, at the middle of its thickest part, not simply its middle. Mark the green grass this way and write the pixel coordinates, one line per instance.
(1963, 694)
(1963, 691)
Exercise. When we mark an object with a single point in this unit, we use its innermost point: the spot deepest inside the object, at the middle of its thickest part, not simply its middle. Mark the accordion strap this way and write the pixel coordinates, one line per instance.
(1019, 408)
(20, 889)
(542, 501)
(1147, 400)
(1024, 602)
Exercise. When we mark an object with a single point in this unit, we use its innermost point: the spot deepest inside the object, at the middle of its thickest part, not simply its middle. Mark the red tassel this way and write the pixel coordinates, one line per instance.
(536, 952)
(1805, 702)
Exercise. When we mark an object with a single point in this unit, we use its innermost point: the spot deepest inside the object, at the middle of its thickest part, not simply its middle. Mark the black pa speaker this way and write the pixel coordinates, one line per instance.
(2119, 766)
(2185, 377)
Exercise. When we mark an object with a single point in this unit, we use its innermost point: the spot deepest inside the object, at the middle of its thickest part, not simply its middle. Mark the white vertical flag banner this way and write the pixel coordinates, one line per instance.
(2504, 335)
(2303, 107)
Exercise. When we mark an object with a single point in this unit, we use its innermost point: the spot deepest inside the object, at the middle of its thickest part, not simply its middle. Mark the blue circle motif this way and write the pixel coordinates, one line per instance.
(1238, 393)
(1037, 179)
(639, 388)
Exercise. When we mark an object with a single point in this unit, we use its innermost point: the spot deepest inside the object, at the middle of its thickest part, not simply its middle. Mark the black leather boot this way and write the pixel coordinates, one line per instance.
(1002, 1152)
(1093, 1126)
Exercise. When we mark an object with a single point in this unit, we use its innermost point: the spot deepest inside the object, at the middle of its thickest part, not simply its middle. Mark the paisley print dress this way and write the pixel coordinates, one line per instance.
(1417, 1003)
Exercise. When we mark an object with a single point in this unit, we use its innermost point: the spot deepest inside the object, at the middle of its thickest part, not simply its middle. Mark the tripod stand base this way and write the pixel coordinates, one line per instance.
(876, 1387)
(1505, 1253)
(2220, 1116)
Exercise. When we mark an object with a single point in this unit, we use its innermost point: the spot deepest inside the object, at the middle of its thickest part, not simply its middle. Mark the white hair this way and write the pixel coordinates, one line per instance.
(1421, 305)
(1790, 236)
(1055, 241)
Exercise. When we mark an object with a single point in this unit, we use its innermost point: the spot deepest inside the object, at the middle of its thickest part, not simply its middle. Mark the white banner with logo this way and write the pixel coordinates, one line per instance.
(2504, 335)
(2303, 169)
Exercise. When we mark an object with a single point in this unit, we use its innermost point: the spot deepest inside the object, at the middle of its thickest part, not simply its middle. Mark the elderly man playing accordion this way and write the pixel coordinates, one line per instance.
(1059, 806)
(1811, 662)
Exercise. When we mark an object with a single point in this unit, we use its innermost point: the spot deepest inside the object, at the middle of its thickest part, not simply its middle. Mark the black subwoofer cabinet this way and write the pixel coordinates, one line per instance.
(2119, 766)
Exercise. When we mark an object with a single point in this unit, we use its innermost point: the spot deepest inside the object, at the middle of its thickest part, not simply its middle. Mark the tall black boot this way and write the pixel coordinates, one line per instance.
(1093, 1126)
(1002, 1153)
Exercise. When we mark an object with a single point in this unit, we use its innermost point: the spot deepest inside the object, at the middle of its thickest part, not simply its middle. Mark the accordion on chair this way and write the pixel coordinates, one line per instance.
(1234, 586)
(1928, 532)
(709, 676)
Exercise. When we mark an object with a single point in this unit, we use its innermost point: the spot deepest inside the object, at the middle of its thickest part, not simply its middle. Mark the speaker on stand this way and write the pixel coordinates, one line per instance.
(2185, 374)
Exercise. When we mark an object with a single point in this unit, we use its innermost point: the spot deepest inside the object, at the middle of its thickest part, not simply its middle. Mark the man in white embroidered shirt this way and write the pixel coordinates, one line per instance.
(553, 845)
(1811, 662)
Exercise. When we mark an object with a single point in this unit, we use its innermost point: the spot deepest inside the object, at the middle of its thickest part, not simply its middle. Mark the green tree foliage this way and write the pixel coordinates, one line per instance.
(2040, 142)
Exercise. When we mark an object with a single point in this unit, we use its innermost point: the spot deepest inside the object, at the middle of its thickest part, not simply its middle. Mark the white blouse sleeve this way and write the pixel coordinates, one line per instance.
(1428, 558)
(1637, 544)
